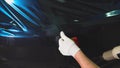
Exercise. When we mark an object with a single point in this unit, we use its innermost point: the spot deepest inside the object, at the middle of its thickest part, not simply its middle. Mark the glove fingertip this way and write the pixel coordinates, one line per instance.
(63, 36)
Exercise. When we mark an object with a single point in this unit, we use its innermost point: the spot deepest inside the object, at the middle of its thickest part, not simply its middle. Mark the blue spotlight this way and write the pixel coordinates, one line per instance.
(9, 1)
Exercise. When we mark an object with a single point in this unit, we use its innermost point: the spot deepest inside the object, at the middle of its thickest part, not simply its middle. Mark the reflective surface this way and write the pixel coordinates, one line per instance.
(23, 17)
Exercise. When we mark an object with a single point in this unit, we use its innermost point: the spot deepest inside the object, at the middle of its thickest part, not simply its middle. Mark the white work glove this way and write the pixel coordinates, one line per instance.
(67, 46)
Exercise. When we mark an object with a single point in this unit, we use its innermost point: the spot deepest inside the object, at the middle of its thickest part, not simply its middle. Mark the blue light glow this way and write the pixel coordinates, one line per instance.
(9, 1)
(13, 30)
(23, 27)
(113, 13)
(5, 33)
(23, 14)
(6, 13)
(14, 33)
(26, 17)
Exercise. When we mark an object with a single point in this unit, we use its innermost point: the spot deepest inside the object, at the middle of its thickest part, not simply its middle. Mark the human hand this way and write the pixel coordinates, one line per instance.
(67, 46)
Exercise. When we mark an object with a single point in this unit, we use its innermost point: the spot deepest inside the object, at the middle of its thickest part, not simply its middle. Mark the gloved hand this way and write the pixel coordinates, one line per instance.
(67, 46)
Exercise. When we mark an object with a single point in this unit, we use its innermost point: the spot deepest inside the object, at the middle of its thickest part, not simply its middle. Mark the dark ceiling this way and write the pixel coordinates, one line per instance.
(79, 9)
